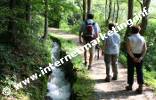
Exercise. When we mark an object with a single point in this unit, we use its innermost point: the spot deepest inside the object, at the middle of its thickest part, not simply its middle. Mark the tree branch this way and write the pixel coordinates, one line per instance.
(141, 4)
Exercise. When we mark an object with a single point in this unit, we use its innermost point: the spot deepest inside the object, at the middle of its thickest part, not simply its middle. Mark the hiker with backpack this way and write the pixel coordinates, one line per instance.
(111, 52)
(89, 31)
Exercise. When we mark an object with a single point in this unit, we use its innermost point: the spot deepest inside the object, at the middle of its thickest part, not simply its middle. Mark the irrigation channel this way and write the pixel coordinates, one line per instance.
(58, 87)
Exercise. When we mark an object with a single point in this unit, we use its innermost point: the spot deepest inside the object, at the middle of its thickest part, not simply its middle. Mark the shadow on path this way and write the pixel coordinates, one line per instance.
(122, 94)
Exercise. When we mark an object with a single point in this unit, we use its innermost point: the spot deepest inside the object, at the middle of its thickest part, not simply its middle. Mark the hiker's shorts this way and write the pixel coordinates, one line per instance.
(91, 49)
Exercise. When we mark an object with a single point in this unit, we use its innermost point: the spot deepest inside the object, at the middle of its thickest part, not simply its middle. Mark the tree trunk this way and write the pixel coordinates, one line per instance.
(12, 26)
(46, 20)
(109, 13)
(89, 6)
(144, 22)
(28, 11)
(117, 12)
(114, 11)
(105, 10)
(130, 16)
(79, 5)
(84, 9)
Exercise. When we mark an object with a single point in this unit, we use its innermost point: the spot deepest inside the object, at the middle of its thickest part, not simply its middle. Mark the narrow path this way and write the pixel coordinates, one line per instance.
(114, 90)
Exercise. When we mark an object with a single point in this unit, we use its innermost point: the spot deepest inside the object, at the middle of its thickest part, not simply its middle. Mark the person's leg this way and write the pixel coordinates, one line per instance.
(98, 55)
(139, 72)
(90, 57)
(85, 56)
(130, 72)
(97, 50)
(85, 53)
(114, 59)
(107, 60)
(91, 50)
(140, 79)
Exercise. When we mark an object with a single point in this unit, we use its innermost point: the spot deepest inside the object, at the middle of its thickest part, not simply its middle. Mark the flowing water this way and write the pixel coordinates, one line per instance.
(58, 87)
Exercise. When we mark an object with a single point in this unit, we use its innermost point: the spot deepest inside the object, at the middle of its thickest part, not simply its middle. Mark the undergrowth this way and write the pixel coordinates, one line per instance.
(19, 62)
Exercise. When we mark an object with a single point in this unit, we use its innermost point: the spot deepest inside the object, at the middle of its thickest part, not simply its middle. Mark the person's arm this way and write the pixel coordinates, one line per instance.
(103, 46)
(80, 33)
(143, 52)
(98, 28)
(119, 42)
(80, 36)
(105, 41)
(95, 26)
(129, 50)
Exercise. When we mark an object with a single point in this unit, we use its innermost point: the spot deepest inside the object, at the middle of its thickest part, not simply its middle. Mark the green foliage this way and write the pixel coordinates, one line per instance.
(123, 58)
(38, 89)
(150, 79)
(24, 54)
(64, 26)
(60, 10)
(151, 40)
(83, 87)
(75, 29)
(23, 62)
(38, 25)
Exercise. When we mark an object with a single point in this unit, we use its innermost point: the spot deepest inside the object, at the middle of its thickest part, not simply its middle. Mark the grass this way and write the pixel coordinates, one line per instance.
(84, 85)
(150, 79)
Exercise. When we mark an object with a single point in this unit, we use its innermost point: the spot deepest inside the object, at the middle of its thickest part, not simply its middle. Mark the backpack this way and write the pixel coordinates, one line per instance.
(89, 33)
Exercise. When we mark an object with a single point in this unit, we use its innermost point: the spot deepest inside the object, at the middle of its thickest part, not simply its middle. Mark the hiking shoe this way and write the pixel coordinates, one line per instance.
(85, 63)
(107, 79)
(128, 88)
(139, 90)
(114, 78)
(89, 67)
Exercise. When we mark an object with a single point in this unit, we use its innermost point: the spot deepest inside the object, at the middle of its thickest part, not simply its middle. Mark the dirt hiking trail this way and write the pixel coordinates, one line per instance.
(114, 90)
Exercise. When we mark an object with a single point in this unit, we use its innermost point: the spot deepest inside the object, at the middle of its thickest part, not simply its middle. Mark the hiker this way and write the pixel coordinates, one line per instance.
(89, 31)
(111, 52)
(136, 49)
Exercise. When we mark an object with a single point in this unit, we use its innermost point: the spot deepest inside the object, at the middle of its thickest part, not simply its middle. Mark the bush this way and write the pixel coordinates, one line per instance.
(150, 59)
(123, 58)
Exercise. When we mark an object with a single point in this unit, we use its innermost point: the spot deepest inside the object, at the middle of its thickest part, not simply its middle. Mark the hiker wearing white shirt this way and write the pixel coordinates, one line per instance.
(136, 49)
(111, 52)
